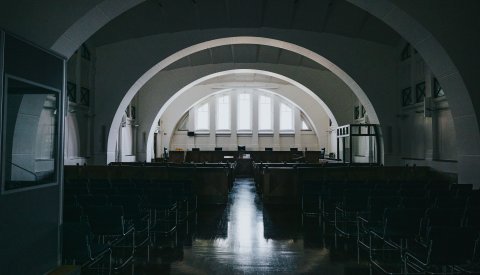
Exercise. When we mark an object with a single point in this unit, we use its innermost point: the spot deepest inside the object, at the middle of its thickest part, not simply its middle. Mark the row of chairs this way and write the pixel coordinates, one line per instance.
(371, 208)
(410, 218)
(322, 198)
(106, 186)
(148, 192)
(92, 240)
(422, 240)
(106, 213)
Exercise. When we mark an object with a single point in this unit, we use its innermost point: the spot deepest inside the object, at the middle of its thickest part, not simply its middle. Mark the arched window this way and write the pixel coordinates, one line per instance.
(305, 126)
(265, 118)
(223, 113)
(202, 118)
(183, 124)
(244, 112)
(286, 118)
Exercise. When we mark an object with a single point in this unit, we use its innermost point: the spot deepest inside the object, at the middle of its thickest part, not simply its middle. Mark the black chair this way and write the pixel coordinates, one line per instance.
(461, 190)
(376, 207)
(473, 200)
(134, 214)
(99, 184)
(241, 148)
(384, 189)
(332, 194)
(163, 210)
(110, 227)
(414, 202)
(310, 197)
(399, 227)
(92, 200)
(72, 214)
(354, 203)
(372, 218)
(437, 217)
(78, 247)
(446, 247)
(449, 202)
(471, 218)
(412, 191)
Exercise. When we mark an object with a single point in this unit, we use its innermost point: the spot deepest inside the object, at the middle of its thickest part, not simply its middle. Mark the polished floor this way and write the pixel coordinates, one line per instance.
(245, 237)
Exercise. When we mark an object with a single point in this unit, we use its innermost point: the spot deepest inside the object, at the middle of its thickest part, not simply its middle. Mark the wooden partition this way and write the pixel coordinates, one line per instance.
(176, 156)
(279, 185)
(282, 183)
(257, 156)
(210, 182)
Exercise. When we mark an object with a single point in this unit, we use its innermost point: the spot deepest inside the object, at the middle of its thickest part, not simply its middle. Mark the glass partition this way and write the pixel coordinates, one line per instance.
(30, 128)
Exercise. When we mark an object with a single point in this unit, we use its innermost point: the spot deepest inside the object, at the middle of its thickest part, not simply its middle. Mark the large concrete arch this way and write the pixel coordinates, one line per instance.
(306, 109)
(411, 20)
(463, 99)
(94, 19)
(373, 67)
(323, 83)
(357, 90)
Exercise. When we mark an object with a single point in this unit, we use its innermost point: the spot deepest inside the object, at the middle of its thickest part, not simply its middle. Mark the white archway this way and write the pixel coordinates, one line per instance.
(408, 19)
(301, 87)
(464, 108)
(357, 90)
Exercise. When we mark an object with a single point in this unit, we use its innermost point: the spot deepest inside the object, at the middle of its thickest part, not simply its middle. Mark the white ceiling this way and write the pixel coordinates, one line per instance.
(168, 16)
(236, 78)
(243, 53)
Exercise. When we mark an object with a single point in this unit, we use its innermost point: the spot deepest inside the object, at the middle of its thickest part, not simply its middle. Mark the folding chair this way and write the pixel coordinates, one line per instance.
(447, 248)
(78, 248)
(109, 227)
(436, 217)
(353, 204)
(135, 215)
(399, 226)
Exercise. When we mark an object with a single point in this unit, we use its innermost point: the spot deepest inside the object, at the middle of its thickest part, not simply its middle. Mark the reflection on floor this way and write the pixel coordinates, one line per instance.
(244, 237)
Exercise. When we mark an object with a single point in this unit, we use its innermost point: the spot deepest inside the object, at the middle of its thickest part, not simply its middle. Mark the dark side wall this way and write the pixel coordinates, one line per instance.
(29, 219)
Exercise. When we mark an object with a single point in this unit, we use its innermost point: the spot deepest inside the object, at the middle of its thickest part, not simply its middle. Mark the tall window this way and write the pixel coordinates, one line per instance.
(286, 118)
(223, 113)
(202, 121)
(305, 126)
(265, 119)
(244, 112)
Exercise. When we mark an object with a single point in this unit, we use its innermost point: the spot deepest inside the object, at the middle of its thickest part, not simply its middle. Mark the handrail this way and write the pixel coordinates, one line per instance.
(24, 169)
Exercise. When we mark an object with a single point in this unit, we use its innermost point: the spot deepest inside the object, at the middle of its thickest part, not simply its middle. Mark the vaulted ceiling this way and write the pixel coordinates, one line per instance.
(245, 53)
(164, 16)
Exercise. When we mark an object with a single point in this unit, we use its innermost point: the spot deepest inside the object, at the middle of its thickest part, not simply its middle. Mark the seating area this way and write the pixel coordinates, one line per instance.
(109, 211)
(403, 220)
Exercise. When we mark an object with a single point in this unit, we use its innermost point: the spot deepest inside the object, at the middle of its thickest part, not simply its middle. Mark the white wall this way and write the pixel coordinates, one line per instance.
(79, 119)
(425, 140)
